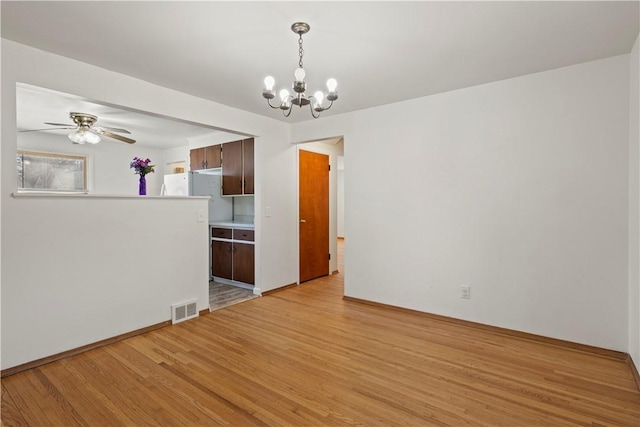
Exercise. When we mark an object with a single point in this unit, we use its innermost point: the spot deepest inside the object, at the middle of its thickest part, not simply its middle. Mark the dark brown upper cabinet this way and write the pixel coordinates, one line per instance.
(206, 157)
(237, 168)
(247, 152)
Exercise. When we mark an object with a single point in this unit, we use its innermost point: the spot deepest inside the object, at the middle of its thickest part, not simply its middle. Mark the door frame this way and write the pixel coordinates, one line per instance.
(318, 146)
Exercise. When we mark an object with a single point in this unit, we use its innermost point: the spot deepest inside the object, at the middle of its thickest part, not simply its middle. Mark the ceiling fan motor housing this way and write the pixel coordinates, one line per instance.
(82, 119)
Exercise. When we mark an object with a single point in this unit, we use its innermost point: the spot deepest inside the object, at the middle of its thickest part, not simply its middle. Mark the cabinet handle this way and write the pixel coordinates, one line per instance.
(303, 221)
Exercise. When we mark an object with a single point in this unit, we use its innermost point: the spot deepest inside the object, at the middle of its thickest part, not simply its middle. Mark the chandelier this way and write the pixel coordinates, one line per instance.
(287, 101)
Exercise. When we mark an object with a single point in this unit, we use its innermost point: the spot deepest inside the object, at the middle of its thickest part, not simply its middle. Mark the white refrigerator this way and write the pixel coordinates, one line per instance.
(200, 184)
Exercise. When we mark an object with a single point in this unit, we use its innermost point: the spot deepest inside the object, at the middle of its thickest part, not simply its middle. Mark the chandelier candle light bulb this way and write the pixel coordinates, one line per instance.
(318, 97)
(299, 86)
(269, 82)
(332, 84)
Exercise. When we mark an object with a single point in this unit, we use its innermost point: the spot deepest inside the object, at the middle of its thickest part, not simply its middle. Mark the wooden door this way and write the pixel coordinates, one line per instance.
(197, 159)
(232, 168)
(247, 150)
(314, 215)
(244, 263)
(212, 155)
(221, 259)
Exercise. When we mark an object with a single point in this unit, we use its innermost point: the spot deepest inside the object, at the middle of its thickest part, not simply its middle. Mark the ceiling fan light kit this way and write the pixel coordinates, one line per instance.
(287, 101)
(83, 134)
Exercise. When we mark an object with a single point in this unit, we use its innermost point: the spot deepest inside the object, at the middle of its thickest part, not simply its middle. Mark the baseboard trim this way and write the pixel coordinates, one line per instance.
(334, 272)
(203, 312)
(55, 357)
(282, 288)
(611, 354)
(634, 371)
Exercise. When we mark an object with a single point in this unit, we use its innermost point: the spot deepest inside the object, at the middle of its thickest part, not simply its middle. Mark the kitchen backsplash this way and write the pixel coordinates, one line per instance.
(243, 209)
(245, 219)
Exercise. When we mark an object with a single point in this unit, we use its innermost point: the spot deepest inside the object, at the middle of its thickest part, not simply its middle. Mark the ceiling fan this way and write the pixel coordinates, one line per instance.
(85, 132)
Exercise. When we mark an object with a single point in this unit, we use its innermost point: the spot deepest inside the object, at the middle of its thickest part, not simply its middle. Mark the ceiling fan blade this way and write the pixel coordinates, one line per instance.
(58, 124)
(118, 137)
(114, 129)
(36, 130)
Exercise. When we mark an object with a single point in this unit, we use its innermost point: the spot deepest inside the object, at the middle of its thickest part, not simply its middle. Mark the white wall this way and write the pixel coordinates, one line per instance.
(634, 204)
(517, 188)
(81, 270)
(108, 161)
(119, 269)
(175, 155)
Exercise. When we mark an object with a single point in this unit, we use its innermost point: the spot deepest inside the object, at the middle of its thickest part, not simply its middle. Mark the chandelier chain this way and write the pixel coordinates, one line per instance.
(300, 51)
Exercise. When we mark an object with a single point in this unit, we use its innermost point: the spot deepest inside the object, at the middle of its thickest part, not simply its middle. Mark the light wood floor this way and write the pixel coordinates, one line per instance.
(306, 357)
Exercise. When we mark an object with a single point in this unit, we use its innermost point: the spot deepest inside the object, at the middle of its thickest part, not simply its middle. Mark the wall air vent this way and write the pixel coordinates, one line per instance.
(184, 311)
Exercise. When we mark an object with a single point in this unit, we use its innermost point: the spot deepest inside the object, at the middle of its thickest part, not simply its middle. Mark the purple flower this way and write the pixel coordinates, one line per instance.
(142, 167)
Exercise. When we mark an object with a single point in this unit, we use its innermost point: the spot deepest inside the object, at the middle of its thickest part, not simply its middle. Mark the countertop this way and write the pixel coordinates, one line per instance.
(233, 224)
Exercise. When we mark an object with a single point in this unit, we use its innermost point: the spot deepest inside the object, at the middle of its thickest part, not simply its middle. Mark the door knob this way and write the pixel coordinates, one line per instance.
(303, 220)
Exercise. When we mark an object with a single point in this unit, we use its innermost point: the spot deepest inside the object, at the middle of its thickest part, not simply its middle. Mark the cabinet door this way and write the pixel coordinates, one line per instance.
(197, 159)
(247, 150)
(232, 168)
(212, 156)
(243, 263)
(221, 259)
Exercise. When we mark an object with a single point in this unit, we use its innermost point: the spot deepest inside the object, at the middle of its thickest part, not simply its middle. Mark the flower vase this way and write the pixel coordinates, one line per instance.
(142, 186)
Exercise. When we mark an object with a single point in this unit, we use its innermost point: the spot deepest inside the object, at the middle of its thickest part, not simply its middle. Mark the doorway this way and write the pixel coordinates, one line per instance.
(313, 191)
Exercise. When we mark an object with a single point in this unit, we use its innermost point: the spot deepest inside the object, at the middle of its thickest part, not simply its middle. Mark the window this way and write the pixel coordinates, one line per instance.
(51, 172)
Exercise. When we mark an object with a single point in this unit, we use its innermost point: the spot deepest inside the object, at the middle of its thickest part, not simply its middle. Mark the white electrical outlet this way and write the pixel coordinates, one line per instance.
(465, 291)
(267, 211)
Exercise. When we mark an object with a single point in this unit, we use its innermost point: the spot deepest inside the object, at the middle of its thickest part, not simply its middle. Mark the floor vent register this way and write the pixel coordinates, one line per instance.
(184, 311)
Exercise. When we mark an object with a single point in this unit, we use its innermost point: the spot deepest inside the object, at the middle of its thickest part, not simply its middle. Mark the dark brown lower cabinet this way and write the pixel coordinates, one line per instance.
(243, 263)
(222, 259)
(233, 260)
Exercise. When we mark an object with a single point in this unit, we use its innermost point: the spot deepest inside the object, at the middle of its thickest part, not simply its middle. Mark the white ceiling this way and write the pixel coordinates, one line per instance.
(380, 52)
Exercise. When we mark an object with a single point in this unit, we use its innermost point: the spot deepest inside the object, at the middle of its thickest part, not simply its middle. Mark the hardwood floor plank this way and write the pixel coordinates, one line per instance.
(123, 391)
(10, 413)
(25, 395)
(83, 398)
